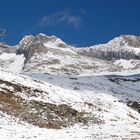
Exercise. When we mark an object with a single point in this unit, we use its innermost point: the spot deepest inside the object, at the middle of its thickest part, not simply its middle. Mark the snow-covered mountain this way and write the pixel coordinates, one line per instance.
(49, 54)
(52, 90)
(123, 47)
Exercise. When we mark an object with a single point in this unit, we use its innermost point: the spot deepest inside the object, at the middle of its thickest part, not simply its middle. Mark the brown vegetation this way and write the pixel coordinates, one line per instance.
(38, 113)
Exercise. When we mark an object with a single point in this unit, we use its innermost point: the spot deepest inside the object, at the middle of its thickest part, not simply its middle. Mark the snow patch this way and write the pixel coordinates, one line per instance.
(126, 64)
(12, 62)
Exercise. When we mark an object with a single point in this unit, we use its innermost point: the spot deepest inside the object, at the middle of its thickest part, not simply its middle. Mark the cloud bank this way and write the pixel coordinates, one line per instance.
(62, 17)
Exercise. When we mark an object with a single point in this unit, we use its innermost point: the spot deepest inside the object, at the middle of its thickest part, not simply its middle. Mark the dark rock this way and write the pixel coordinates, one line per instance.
(31, 47)
(76, 88)
(134, 104)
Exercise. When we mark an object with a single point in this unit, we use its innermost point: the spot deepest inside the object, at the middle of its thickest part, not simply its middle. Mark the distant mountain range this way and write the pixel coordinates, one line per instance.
(50, 54)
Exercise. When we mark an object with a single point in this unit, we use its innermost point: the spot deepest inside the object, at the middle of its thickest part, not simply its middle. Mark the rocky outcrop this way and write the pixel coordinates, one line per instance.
(111, 55)
(132, 40)
(134, 104)
(30, 45)
(39, 113)
(4, 48)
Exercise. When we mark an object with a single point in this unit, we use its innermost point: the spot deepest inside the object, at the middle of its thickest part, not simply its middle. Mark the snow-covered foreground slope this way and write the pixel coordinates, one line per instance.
(94, 107)
(13, 129)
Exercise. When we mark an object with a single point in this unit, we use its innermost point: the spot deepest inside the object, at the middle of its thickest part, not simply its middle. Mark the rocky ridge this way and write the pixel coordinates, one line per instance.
(124, 47)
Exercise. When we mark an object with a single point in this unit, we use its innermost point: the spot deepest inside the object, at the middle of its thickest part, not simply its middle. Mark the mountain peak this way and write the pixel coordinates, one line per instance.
(123, 40)
(132, 40)
(123, 47)
(38, 44)
(53, 39)
(25, 40)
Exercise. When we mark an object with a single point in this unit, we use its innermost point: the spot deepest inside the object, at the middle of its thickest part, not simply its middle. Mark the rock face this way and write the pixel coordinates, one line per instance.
(123, 47)
(134, 104)
(4, 48)
(30, 45)
(132, 40)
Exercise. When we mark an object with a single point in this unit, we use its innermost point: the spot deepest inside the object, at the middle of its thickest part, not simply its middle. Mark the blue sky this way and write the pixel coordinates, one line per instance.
(77, 22)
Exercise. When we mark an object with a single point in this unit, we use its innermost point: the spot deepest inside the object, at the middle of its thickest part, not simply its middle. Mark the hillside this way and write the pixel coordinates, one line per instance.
(51, 90)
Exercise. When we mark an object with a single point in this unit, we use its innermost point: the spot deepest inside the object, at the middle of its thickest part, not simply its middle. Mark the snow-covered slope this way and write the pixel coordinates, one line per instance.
(123, 47)
(51, 90)
(98, 102)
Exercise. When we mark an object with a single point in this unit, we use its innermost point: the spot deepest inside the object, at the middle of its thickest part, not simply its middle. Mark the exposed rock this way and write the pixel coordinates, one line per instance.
(4, 48)
(29, 46)
(132, 40)
(76, 88)
(134, 104)
(46, 115)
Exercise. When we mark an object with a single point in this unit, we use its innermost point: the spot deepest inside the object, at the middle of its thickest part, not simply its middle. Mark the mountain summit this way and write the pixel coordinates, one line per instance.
(124, 47)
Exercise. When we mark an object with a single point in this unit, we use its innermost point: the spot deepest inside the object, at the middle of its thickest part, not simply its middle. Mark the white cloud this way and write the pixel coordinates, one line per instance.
(65, 17)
